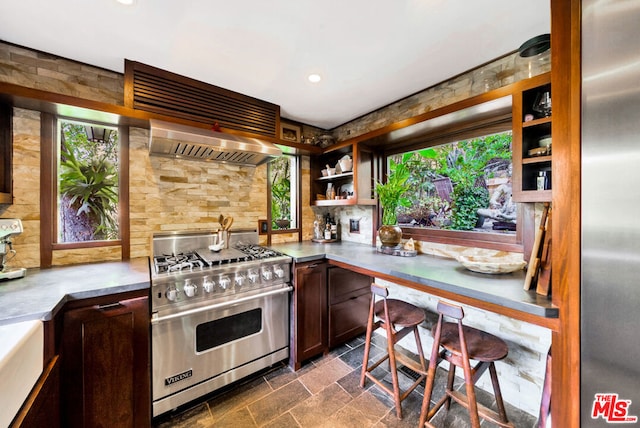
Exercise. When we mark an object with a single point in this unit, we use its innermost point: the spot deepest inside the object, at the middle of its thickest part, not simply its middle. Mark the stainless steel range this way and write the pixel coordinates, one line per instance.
(216, 316)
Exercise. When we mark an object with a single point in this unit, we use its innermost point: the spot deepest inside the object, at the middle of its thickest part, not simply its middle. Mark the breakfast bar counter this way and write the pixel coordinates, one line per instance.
(442, 277)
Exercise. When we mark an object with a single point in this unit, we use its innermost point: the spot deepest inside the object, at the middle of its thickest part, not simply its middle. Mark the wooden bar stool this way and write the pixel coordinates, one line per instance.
(461, 344)
(393, 314)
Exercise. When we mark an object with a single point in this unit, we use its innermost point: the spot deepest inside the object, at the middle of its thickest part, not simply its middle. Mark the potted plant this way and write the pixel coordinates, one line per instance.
(390, 196)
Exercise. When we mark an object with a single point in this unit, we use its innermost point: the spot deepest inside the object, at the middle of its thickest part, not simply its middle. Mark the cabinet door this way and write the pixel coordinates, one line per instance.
(310, 311)
(105, 368)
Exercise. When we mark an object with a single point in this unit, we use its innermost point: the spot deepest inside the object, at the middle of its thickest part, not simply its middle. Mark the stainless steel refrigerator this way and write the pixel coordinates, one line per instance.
(610, 289)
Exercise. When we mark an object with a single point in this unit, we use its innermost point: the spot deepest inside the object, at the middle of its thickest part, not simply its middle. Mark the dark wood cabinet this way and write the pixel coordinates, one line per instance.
(105, 364)
(330, 307)
(309, 336)
(6, 154)
(349, 297)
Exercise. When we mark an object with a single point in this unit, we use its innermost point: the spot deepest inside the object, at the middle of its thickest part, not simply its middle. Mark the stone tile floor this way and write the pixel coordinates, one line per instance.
(324, 393)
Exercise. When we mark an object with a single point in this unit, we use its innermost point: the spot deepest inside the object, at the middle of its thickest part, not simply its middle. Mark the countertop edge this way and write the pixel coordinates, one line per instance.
(305, 252)
(135, 275)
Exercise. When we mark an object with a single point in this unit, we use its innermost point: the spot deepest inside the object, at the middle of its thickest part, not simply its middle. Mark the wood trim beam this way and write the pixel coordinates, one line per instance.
(123, 205)
(83, 109)
(566, 171)
(47, 190)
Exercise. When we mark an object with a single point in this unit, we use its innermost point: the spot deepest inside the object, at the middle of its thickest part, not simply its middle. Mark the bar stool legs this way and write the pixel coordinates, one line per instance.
(460, 344)
(393, 314)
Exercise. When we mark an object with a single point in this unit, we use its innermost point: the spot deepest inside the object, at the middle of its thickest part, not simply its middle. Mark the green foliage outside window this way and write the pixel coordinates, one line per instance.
(466, 165)
(280, 176)
(88, 186)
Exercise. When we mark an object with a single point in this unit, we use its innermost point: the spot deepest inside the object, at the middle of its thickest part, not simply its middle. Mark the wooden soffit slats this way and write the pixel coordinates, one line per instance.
(158, 91)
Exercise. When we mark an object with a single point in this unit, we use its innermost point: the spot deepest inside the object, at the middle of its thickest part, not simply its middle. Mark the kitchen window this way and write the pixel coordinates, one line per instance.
(115, 148)
(460, 187)
(464, 185)
(88, 182)
(284, 193)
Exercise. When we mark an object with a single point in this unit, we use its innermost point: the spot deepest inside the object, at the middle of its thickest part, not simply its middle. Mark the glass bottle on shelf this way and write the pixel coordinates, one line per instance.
(327, 232)
(318, 227)
(329, 190)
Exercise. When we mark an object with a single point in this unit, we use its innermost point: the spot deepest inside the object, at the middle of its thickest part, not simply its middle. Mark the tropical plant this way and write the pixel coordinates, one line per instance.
(469, 161)
(280, 178)
(466, 201)
(468, 164)
(281, 192)
(91, 188)
(390, 194)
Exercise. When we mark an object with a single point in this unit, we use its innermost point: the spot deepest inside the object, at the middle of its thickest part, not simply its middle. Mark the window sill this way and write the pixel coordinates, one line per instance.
(85, 244)
(488, 240)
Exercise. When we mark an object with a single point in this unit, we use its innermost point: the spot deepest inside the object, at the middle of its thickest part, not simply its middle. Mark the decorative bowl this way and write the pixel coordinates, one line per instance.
(492, 264)
(545, 142)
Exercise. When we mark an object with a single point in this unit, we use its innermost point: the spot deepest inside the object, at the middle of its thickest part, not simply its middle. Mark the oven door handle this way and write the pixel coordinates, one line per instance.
(156, 319)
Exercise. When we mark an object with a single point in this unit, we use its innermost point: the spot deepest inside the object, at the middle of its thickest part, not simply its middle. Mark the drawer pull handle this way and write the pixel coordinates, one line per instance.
(315, 265)
(110, 306)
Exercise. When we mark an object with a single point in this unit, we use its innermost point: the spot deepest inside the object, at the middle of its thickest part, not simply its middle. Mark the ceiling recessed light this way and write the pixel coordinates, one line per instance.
(314, 78)
(126, 2)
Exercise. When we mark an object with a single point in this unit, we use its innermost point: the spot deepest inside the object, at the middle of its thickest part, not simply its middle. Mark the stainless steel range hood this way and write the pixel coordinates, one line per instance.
(186, 142)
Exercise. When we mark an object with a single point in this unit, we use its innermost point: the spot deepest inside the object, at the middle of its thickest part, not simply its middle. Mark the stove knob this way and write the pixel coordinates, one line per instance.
(267, 274)
(189, 288)
(253, 276)
(172, 294)
(207, 284)
(277, 269)
(224, 282)
(239, 279)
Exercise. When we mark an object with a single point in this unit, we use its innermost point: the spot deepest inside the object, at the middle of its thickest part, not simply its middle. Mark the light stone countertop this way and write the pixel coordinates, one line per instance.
(505, 290)
(42, 292)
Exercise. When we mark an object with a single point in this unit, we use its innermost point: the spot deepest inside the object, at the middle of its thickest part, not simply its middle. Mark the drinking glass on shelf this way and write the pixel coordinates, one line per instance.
(542, 104)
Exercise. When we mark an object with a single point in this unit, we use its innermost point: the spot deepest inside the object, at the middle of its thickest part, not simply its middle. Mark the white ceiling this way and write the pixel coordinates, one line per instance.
(369, 52)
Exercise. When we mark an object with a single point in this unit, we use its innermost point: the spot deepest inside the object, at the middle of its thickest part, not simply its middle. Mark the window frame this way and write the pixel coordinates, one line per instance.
(49, 190)
(295, 187)
(471, 128)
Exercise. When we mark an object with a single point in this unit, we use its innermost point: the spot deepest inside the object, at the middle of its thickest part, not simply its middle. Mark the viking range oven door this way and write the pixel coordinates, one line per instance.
(199, 350)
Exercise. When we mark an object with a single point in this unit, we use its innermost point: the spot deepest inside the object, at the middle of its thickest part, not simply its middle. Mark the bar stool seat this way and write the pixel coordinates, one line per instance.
(461, 344)
(401, 313)
(398, 318)
(481, 345)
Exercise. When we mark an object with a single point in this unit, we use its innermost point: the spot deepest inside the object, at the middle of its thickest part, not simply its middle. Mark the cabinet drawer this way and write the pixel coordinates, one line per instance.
(348, 319)
(345, 284)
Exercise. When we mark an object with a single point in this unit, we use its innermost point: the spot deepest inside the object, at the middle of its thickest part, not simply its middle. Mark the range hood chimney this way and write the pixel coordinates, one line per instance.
(191, 143)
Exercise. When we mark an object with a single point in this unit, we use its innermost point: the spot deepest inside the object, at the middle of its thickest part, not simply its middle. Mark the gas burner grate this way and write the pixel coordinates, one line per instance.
(177, 262)
(258, 252)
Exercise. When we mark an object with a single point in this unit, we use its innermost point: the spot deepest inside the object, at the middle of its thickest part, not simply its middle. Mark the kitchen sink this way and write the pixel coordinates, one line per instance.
(21, 364)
